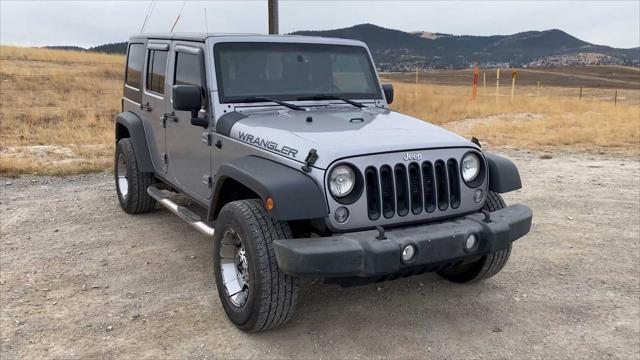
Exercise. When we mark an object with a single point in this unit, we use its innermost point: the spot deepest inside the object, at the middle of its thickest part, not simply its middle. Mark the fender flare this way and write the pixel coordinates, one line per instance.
(503, 174)
(296, 196)
(133, 124)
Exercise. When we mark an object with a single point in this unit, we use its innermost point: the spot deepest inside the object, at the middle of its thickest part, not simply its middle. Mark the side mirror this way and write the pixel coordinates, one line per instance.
(388, 92)
(189, 98)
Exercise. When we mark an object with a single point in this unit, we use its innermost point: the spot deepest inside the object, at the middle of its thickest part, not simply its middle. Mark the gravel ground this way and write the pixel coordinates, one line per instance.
(81, 279)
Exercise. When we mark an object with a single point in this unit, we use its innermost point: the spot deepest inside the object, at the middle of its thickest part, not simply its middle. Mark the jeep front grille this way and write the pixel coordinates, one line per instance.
(417, 187)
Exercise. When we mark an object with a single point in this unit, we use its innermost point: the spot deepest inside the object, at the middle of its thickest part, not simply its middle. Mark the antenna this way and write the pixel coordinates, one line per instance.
(179, 13)
(206, 23)
(149, 11)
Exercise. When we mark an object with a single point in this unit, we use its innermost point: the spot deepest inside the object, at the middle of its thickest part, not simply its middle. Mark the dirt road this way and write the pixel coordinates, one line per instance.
(80, 279)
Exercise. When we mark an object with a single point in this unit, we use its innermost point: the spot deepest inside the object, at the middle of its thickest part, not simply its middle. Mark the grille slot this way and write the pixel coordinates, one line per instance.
(415, 191)
(454, 183)
(441, 186)
(402, 192)
(386, 181)
(373, 192)
(428, 186)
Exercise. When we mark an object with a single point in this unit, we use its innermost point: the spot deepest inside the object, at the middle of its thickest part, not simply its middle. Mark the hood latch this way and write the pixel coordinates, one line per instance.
(311, 159)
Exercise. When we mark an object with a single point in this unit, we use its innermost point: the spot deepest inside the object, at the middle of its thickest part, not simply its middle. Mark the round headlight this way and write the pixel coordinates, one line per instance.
(342, 180)
(470, 167)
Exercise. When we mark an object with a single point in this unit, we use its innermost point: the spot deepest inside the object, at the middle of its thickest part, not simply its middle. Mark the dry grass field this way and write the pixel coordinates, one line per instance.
(57, 110)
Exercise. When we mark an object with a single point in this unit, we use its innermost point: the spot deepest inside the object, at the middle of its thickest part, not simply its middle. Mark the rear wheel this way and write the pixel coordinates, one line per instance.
(488, 265)
(255, 294)
(131, 184)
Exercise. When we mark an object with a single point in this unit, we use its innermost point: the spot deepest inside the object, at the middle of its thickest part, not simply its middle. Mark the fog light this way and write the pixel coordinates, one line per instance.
(408, 253)
(471, 242)
(342, 214)
(478, 196)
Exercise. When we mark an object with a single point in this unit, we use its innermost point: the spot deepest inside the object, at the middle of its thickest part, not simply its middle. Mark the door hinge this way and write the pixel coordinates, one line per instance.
(206, 138)
(165, 158)
(207, 180)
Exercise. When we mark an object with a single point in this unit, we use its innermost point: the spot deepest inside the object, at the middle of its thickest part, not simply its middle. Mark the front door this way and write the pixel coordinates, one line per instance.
(187, 144)
(153, 103)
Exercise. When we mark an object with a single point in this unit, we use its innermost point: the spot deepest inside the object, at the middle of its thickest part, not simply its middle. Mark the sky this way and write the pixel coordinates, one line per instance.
(90, 23)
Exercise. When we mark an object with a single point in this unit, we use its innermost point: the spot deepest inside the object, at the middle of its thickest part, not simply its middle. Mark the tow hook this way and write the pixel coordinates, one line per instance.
(381, 235)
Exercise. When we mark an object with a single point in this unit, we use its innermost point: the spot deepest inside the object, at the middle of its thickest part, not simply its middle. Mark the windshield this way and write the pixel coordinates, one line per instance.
(289, 71)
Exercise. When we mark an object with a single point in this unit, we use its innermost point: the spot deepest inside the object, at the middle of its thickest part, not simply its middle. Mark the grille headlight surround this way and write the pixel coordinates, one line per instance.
(470, 167)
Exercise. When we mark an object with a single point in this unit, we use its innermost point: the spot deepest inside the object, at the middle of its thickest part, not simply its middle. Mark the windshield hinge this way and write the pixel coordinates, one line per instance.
(311, 159)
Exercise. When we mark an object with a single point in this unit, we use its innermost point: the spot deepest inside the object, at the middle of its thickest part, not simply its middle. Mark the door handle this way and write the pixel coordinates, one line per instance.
(145, 107)
(170, 117)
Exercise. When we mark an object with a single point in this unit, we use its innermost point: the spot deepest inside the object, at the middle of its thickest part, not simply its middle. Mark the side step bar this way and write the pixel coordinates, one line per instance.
(185, 214)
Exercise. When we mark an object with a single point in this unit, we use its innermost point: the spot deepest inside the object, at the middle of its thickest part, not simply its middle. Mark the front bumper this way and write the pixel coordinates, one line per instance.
(361, 254)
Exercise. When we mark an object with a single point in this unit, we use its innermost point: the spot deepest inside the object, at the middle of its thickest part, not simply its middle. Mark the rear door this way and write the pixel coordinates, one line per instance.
(153, 103)
(188, 145)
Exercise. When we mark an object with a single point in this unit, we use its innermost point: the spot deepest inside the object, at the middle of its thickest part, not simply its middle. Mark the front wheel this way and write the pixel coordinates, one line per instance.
(131, 184)
(255, 294)
(488, 265)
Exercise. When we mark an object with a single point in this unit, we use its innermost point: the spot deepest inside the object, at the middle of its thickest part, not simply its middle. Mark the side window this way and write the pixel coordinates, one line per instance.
(188, 70)
(135, 63)
(156, 71)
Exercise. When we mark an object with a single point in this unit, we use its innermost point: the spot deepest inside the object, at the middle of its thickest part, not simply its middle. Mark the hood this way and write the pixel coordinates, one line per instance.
(340, 133)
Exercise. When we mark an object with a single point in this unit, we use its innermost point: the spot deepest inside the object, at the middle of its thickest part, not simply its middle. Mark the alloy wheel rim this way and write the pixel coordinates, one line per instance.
(121, 173)
(234, 267)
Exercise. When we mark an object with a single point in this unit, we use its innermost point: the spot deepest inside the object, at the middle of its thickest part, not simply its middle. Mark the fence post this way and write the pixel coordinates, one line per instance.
(415, 92)
(538, 90)
(484, 83)
(474, 86)
(514, 73)
(497, 84)
(615, 98)
(580, 97)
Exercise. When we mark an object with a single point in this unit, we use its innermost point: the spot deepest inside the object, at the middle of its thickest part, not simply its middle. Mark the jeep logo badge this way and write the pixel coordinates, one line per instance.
(412, 157)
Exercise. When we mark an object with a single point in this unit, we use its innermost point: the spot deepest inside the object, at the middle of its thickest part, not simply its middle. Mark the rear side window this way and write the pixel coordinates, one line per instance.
(156, 70)
(135, 63)
(188, 70)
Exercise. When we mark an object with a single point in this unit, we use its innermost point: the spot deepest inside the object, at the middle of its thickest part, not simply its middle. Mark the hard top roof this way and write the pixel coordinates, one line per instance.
(201, 37)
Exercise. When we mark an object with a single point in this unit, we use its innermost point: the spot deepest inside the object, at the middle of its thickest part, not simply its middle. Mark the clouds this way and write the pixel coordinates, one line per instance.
(88, 23)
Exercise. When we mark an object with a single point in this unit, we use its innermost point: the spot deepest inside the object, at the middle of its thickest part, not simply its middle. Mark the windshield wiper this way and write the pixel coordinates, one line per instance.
(263, 99)
(333, 97)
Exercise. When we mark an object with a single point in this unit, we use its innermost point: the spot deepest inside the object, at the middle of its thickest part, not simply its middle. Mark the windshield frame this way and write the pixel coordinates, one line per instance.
(377, 95)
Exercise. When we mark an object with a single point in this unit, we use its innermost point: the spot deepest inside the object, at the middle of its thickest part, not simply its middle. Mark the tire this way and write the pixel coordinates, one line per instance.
(245, 232)
(487, 266)
(131, 184)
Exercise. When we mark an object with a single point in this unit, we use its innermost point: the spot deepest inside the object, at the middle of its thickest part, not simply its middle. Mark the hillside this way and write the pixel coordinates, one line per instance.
(396, 50)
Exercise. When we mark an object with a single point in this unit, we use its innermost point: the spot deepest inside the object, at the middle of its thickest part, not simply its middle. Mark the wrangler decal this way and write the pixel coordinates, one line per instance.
(267, 144)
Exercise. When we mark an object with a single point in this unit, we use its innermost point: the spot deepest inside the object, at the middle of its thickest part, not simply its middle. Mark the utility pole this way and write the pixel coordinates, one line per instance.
(273, 16)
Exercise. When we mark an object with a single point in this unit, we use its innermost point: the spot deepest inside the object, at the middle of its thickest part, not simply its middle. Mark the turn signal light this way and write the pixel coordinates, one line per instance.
(268, 203)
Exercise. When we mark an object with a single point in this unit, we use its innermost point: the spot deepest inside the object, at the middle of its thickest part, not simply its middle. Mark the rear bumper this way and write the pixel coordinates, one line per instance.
(361, 254)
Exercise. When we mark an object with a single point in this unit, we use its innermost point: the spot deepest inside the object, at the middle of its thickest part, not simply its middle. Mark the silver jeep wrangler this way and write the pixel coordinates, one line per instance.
(284, 150)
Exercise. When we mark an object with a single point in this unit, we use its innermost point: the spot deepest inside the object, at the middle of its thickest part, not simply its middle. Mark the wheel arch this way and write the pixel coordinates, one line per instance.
(295, 195)
(129, 125)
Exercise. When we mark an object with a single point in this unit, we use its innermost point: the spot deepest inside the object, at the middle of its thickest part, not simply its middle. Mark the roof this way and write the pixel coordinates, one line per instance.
(201, 37)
